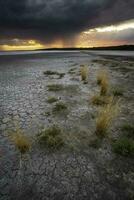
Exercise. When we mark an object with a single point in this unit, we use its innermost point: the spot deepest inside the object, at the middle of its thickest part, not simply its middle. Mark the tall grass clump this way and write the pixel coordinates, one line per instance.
(23, 144)
(103, 81)
(102, 74)
(84, 72)
(105, 118)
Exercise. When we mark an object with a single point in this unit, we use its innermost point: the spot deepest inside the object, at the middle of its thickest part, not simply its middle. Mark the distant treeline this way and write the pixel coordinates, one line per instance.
(123, 47)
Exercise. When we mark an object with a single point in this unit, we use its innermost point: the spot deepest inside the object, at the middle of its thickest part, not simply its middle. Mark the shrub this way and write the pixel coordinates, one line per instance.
(84, 72)
(52, 100)
(51, 138)
(105, 118)
(124, 146)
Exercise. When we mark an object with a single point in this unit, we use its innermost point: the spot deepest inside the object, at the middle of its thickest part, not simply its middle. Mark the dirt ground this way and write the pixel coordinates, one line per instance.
(79, 170)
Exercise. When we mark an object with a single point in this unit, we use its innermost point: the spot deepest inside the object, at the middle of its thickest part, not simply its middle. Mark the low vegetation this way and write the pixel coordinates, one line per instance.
(128, 130)
(117, 91)
(95, 143)
(105, 117)
(124, 146)
(21, 141)
(102, 75)
(103, 81)
(60, 107)
(49, 73)
(72, 71)
(51, 138)
(52, 100)
(101, 100)
(55, 87)
(22, 144)
(84, 72)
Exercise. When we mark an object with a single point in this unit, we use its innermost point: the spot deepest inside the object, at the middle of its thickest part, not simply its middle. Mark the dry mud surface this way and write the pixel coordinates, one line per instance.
(77, 171)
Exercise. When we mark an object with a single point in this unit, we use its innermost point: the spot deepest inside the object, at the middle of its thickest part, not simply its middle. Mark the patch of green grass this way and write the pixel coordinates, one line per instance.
(51, 138)
(55, 87)
(124, 146)
(128, 129)
(52, 100)
(60, 107)
(117, 91)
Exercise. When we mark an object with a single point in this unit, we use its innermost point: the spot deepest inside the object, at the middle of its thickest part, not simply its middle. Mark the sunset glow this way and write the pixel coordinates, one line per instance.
(100, 36)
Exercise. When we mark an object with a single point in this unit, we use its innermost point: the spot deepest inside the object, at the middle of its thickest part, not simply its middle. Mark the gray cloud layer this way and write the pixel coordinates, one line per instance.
(47, 20)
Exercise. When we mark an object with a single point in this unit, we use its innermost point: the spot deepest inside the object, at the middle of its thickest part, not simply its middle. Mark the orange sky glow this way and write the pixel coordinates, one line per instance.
(100, 36)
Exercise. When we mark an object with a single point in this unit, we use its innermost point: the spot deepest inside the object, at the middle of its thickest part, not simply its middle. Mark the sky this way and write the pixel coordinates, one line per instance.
(36, 24)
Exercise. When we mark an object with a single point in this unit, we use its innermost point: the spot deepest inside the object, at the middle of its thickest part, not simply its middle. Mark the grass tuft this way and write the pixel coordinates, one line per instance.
(124, 146)
(52, 100)
(60, 107)
(102, 80)
(102, 74)
(84, 72)
(105, 118)
(55, 87)
(51, 138)
(21, 141)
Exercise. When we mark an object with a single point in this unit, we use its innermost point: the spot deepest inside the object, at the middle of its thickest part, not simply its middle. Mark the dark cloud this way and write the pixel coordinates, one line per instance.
(47, 20)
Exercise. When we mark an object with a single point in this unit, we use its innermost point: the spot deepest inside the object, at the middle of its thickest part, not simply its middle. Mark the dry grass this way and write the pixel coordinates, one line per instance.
(101, 100)
(104, 87)
(105, 117)
(84, 72)
(102, 74)
(103, 81)
(21, 141)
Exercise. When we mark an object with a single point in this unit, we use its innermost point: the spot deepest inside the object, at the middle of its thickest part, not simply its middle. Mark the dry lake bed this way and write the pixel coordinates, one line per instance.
(65, 157)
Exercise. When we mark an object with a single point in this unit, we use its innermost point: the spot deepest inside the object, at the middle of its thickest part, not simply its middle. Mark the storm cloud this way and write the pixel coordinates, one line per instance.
(48, 20)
